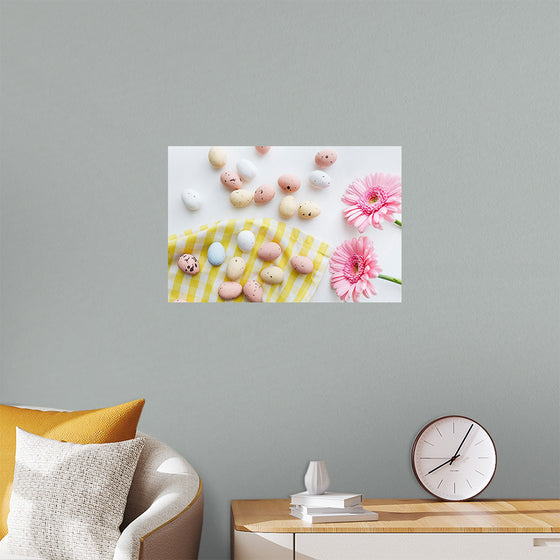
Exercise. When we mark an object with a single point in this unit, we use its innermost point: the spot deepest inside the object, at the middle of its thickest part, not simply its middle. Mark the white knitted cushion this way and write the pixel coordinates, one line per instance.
(68, 499)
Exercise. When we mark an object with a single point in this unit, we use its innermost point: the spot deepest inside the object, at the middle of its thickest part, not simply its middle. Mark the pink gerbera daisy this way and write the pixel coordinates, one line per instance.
(373, 199)
(353, 265)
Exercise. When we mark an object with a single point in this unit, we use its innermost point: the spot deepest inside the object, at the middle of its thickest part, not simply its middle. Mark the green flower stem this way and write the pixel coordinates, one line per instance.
(390, 279)
(398, 222)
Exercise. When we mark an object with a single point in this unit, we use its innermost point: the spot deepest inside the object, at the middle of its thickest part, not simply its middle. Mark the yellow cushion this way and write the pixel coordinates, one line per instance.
(104, 425)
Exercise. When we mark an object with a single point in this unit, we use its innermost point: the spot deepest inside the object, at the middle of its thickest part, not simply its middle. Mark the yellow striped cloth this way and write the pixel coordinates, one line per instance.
(204, 286)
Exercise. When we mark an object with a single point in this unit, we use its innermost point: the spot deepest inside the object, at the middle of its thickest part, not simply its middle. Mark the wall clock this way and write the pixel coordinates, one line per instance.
(454, 458)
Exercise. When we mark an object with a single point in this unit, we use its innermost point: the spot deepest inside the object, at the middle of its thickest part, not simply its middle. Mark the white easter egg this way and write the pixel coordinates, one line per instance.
(246, 169)
(320, 180)
(245, 240)
(191, 199)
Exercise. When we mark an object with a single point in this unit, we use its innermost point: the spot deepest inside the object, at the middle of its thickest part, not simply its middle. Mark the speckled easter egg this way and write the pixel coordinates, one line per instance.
(289, 182)
(241, 198)
(246, 169)
(231, 180)
(217, 157)
(269, 251)
(230, 290)
(264, 194)
(245, 240)
(308, 210)
(325, 158)
(288, 206)
(320, 180)
(191, 199)
(179, 301)
(253, 291)
(188, 264)
(262, 149)
(301, 264)
(235, 268)
(272, 275)
(216, 254)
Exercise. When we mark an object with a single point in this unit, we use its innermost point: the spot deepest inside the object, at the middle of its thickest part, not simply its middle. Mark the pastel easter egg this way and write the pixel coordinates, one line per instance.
(235, 268)
(272, 275)
(246, 169)
(325, 158)
(288, 206)
(262, 149)
(301, 264)
(308, 210)
(269, 251)
(241, 198)
(231, 180)
(320, 180)
(253, 291)
(245, 240)
(191, 199)
(216, 254)
(289, 182)
(217, 157)
(188, 264)
(264, 194)
(230, 290)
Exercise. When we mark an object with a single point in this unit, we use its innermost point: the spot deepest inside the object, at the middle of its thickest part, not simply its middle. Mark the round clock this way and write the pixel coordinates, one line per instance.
(454, 458)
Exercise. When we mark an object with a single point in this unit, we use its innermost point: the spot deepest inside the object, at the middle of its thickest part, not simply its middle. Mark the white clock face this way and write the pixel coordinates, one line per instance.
(454, 458)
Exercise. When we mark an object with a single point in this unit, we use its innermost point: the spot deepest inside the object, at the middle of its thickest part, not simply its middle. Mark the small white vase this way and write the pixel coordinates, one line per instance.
(316, 478)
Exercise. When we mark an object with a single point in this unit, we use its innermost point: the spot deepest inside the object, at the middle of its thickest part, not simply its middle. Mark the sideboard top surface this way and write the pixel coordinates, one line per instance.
(409, 516)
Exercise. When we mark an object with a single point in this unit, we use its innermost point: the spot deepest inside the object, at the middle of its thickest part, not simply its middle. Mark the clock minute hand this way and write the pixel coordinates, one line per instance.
(443, 464)
(461, 444)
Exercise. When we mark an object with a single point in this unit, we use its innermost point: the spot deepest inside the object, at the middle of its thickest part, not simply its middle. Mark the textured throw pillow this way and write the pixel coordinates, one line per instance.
(68, 499)
(104, 425)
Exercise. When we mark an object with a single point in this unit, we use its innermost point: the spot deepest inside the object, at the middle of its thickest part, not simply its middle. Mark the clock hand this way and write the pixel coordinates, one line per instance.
(446, 462)
(461, 444)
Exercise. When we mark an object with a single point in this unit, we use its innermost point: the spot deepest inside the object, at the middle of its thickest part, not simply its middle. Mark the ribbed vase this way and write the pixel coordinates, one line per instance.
(316, 478)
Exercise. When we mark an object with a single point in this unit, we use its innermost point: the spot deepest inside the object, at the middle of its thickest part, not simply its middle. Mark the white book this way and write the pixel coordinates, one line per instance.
(365, 515)
(312, 510)
(328, 499)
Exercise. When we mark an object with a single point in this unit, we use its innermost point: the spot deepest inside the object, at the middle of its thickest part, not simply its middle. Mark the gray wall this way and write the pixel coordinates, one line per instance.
(92, 95)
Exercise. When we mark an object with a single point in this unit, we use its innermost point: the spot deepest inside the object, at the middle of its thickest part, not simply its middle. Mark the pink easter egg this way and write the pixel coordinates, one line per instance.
(188, 264)
(269, 251)
(253, 291)
(264, 194)
(231, 180)
(230, 290)
(262, 149)
(289, 182)
(301, 264)
(325, 158)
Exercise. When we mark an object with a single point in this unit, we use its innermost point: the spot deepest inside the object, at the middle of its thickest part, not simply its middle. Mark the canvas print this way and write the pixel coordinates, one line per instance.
(280, 224)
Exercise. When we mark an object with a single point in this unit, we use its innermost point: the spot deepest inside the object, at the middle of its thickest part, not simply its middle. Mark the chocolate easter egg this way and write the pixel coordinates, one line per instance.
(230, 290)
(253, 291)
(301, 264)
(231, 180)
(325, 158)
(188, 264)
(289, 183)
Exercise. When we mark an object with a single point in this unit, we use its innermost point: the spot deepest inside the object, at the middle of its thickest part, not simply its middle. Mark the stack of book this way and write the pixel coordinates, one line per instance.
(330, 507)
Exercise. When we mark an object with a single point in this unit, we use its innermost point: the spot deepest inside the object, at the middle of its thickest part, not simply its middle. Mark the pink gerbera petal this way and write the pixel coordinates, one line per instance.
(353, 266)
(372, 200)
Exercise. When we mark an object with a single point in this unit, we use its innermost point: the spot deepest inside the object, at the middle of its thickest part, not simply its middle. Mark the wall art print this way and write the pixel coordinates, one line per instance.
(253, 224)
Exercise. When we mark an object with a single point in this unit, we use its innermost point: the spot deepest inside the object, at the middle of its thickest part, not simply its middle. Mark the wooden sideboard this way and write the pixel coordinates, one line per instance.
(406, 529)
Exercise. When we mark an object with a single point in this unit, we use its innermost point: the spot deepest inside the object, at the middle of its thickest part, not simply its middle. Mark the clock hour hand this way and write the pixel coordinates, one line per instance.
(461, 445)
(443, 464)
